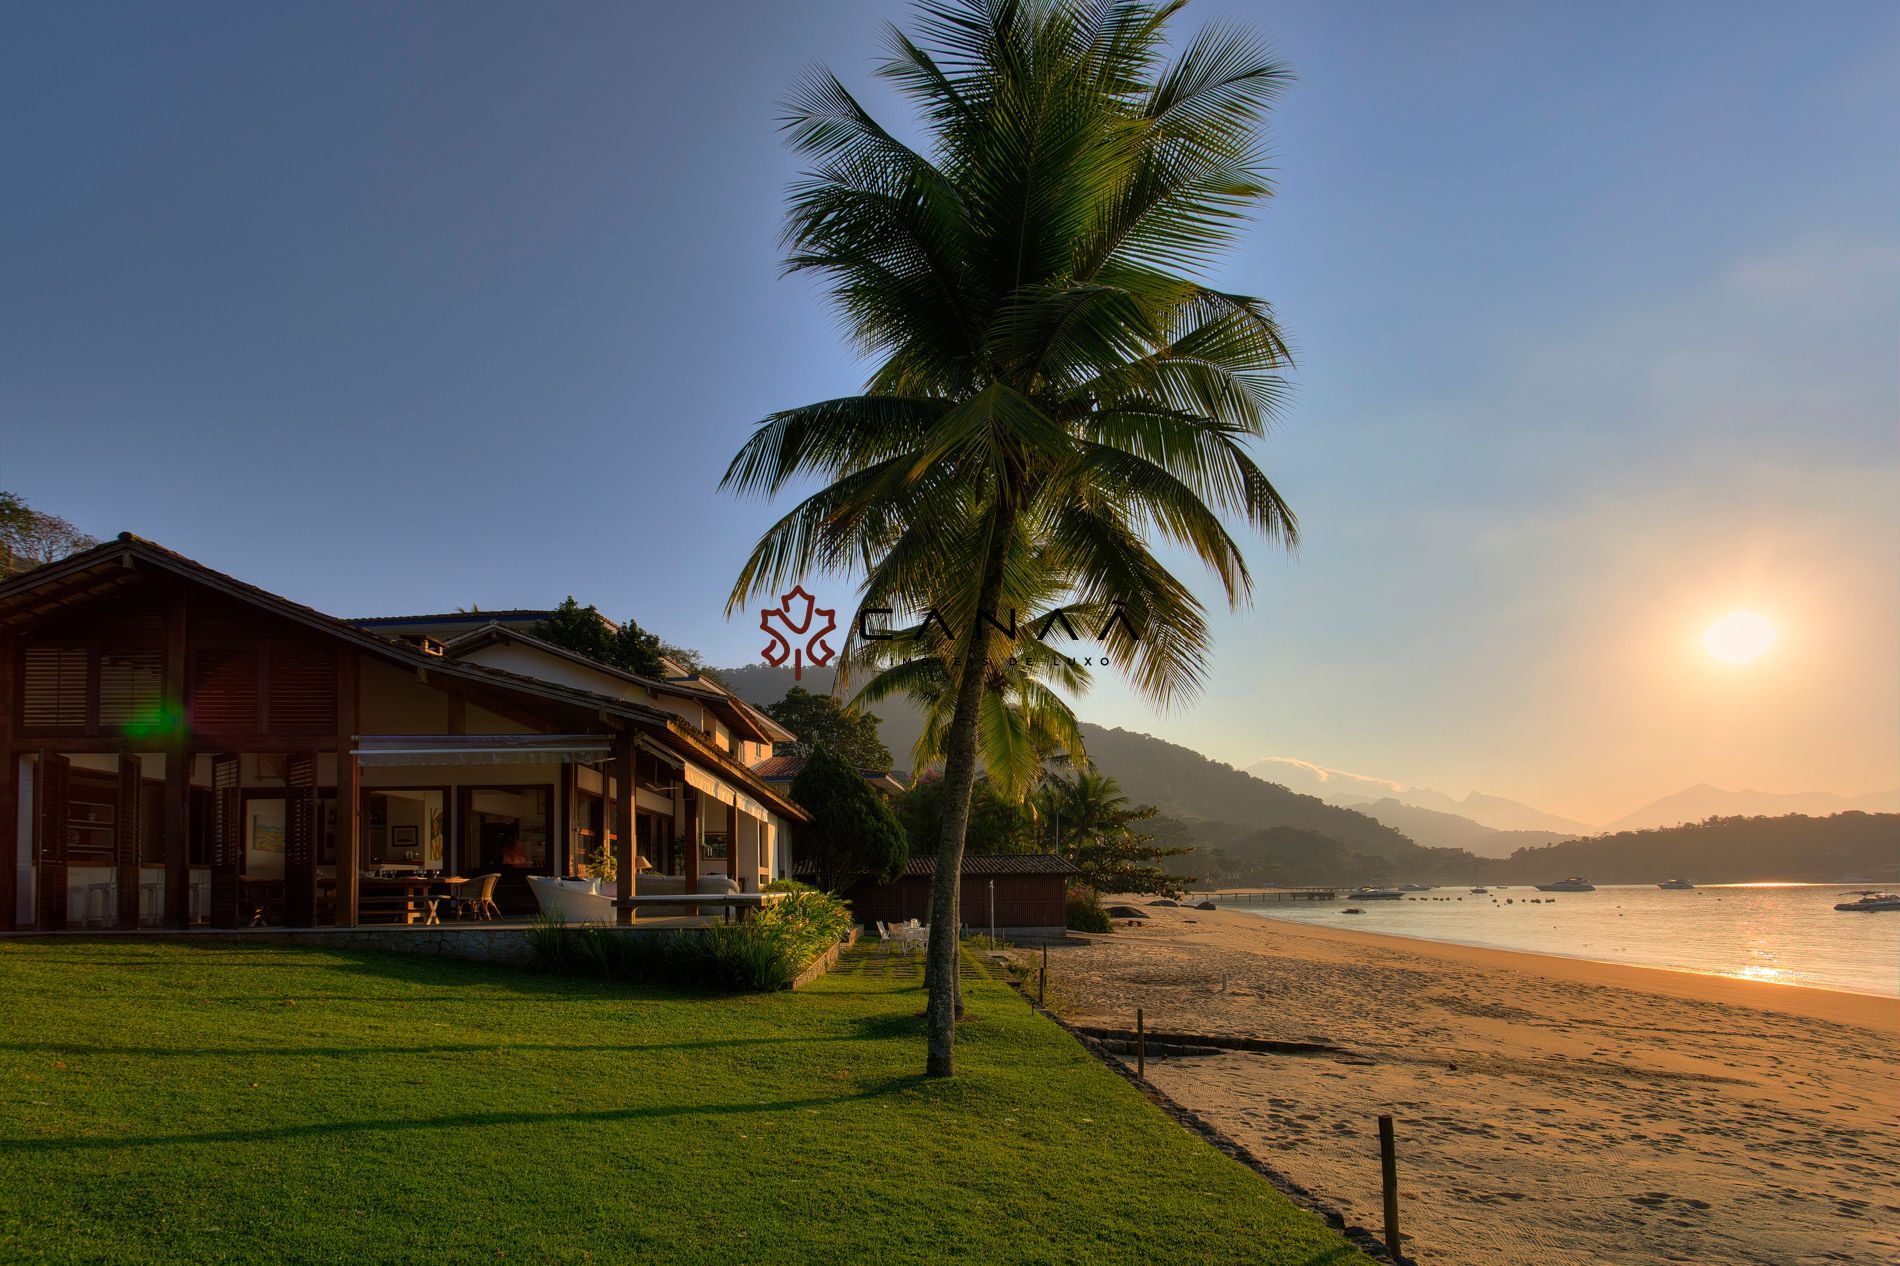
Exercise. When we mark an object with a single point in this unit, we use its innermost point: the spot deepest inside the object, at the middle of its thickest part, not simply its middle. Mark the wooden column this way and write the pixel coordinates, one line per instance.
(624, 808)
(349, 794)
(9, 788)
(694, 828)
(177, 818)
(227, 839)
(52, 826)
(131, 837)
(300, 840)
(9, 825)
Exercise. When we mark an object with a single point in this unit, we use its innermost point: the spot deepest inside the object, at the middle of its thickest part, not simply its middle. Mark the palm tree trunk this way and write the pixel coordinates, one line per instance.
(959, 782)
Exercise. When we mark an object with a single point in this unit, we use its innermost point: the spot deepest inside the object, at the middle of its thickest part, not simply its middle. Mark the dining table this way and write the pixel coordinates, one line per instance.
(398, 898)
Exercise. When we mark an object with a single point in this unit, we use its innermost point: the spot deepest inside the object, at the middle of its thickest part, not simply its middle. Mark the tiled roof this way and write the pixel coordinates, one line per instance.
(780, 767)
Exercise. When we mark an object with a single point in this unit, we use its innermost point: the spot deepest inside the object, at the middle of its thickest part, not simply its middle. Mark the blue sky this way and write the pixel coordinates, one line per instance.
(392, 309)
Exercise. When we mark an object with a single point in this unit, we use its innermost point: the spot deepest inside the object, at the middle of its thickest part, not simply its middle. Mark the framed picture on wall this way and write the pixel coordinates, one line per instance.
(403, 837)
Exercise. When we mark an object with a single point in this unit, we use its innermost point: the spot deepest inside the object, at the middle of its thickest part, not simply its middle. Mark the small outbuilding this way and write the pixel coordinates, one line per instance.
(1029, 892)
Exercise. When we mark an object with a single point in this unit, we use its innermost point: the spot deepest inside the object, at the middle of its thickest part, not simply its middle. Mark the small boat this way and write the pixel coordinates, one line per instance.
(1871, 900)
(1479, 892)
(1376, 894)
(1573, 884)
(1352, 910)
(1676, 885)
(1415, 887)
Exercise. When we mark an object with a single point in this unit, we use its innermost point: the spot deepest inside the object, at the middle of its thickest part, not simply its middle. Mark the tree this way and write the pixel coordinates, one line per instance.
(31, 538)
(1023, 721)
(997, 825)
(1094, 825)
(585, 631)
(821, 721)
(852, 832)
(1055, 391)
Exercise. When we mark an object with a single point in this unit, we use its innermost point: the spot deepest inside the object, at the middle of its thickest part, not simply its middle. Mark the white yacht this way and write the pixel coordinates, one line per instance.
(1375, 894)
(1870, 900)
(1676, 885)
(1573, 884)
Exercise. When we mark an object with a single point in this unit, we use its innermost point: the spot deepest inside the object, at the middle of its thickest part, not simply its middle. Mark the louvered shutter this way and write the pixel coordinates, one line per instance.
(224, 694)
(302, 688)
(131, 688)
(53, 688)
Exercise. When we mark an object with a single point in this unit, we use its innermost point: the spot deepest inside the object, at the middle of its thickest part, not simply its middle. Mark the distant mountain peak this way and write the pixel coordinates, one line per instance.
(1342, 787)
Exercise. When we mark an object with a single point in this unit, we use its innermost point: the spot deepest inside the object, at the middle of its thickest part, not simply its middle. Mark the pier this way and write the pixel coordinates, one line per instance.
(1265, 896)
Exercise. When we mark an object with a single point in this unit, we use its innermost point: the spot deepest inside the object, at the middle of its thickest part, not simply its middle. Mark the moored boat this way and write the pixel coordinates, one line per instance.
(1575, 883)
(1375, 894)
(1676, 885)
(1869, 900)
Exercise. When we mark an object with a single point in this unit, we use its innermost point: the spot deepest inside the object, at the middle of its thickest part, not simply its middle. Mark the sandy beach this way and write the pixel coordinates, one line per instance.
(1548, 1109)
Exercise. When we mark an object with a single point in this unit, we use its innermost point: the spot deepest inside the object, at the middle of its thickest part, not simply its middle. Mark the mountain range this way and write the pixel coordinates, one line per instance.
(1702, 801)
(1337, 786)
(1368, 816)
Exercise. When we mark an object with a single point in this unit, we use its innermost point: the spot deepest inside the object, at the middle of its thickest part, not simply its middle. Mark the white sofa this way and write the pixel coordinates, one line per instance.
(592, 900)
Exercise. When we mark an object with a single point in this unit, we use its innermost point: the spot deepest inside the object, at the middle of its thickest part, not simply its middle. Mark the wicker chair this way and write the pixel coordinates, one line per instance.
(478, 898)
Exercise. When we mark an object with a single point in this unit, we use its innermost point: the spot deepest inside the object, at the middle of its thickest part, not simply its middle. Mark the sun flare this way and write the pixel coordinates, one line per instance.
(1738, 637)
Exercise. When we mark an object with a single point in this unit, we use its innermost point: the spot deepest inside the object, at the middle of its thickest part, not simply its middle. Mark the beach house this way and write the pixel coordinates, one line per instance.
(180, 748)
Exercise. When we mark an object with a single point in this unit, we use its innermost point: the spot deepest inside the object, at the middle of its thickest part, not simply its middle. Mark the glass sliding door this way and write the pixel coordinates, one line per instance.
(508, 833)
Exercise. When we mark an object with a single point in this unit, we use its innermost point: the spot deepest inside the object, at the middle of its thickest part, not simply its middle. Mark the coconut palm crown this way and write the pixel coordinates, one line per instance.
(1056, 386)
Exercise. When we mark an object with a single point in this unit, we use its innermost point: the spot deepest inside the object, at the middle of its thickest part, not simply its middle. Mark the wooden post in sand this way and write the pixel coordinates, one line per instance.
(1389, 1173)
(1141, 1045)
(1042, 981)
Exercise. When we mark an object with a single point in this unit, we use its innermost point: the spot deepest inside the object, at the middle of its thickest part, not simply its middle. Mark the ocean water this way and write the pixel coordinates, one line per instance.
(1785, 933)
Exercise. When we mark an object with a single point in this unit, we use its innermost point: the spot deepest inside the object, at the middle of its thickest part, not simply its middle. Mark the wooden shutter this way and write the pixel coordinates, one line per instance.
(53, 830)
(53, 688)
(300, 840)
(131, 838)
(131, 688)
(227, 840)
(224, 693)
(302, 692)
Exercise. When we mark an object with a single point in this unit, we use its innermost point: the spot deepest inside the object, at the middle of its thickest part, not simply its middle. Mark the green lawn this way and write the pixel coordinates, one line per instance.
(168, 1102)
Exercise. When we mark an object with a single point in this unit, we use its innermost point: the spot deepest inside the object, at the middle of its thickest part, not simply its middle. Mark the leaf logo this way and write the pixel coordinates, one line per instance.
(790, 625)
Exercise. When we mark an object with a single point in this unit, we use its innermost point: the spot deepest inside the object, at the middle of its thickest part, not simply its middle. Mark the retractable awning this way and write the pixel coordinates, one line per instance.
(723, 791)
(482, 749)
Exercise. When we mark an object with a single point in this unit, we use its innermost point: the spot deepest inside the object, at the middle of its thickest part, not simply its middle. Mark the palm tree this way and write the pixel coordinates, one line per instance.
(1022, 720)
(1099, 830)
(1056, 390)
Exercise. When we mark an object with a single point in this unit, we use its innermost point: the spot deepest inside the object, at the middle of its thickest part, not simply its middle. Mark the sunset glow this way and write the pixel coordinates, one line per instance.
(1739, 637)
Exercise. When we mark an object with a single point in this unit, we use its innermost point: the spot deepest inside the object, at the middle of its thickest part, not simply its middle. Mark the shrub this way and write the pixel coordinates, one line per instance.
(1085, 912)
(763, 953)
(550, 947)
(814, 920)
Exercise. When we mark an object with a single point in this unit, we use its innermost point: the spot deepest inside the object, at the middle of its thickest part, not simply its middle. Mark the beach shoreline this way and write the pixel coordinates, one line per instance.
(1549, 1108)
(1836, 1006)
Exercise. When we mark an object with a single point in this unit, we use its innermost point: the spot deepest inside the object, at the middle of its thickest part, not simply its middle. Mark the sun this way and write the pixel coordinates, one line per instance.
(1738, 637)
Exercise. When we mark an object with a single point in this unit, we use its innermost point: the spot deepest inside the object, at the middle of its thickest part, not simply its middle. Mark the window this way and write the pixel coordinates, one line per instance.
(405, 830)
(302, 687)
(131, 687)
(93, 821)
(224, 689)
(588, 839)
(53, 687)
